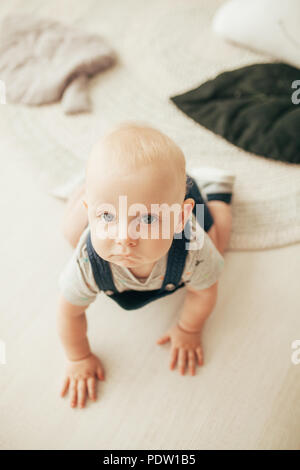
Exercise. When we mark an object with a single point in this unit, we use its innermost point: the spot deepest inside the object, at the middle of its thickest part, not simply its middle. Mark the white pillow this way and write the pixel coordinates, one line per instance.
(269, 26)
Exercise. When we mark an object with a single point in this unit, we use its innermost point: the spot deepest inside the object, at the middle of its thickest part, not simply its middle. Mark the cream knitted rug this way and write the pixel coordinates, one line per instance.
(165, 47)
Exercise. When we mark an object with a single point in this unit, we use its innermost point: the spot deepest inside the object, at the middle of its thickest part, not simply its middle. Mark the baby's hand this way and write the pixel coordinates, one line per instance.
(81, 376)
(185, 346)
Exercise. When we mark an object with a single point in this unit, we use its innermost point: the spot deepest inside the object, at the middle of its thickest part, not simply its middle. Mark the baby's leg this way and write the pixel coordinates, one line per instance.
(216, 188)
(221, 229)
(75, 217)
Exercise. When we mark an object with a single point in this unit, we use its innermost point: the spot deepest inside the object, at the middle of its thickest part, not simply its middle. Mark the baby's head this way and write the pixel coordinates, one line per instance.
(131, 172)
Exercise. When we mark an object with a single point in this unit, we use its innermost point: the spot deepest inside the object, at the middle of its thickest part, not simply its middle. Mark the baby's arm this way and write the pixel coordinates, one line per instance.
(198, 305)
(82, 365)
(72, 328)
(199, 302)
(200, 299)
(185, 335)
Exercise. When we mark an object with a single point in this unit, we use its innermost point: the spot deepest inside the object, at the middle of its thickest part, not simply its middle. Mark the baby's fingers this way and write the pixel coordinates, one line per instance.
(100, 373)
(81, 392)
(65, 386)
(173, 360)
(182, 360)
(91, 385)
(192, 361)
(199, 355)
(73, 392)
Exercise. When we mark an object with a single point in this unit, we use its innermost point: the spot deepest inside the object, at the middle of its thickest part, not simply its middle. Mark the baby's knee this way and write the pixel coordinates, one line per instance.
(221, 212)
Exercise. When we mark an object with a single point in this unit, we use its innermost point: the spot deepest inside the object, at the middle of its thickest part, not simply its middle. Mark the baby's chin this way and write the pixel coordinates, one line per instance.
(127, 261)
(118, 259)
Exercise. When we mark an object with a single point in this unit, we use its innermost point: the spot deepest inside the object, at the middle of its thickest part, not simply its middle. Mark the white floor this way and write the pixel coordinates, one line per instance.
(246, 396)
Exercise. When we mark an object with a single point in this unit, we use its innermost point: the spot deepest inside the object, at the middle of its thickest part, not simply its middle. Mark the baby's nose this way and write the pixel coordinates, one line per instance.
(126, 242)
(125, 239)
(127, 236)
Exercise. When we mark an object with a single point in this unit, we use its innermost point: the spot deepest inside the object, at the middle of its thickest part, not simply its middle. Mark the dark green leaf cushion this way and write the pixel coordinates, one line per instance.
(251, 107)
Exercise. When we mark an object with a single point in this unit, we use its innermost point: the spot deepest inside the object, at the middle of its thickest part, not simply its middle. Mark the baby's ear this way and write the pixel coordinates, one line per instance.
(187, 208)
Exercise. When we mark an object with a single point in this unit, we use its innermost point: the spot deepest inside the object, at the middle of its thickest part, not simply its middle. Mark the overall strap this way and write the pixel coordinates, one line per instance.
(100, 267)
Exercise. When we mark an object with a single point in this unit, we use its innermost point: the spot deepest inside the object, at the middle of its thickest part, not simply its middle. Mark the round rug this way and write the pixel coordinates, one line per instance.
(165, 47)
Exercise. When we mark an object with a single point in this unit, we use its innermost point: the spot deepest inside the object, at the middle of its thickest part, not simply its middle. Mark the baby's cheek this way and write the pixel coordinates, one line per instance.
(102, 243)
(159, 247)
(160, 233)
(104, 233)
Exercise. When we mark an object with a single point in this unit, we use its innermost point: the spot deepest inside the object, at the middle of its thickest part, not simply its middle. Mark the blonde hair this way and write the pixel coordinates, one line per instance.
(135, 144)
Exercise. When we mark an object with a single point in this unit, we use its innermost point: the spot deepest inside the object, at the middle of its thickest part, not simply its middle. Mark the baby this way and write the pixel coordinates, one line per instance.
(141, 230)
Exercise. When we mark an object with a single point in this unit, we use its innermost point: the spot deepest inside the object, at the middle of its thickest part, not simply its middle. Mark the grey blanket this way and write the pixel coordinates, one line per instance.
(44, 61)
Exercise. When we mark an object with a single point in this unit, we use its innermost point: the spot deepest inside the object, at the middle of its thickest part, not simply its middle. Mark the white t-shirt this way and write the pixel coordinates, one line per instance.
(203, 267)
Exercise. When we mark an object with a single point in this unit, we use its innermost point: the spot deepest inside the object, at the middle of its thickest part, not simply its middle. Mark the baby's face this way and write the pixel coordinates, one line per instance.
(128, 225)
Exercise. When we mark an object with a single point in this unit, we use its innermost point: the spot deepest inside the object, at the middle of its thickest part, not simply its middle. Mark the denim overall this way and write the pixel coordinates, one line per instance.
(133, 299)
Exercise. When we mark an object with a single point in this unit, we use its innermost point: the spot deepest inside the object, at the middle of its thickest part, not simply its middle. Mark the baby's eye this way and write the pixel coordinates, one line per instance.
(109, 214)
(147, 218)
